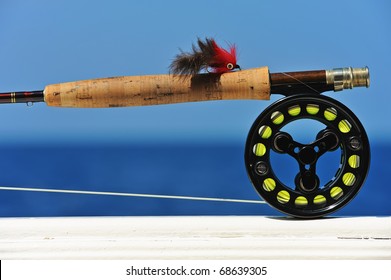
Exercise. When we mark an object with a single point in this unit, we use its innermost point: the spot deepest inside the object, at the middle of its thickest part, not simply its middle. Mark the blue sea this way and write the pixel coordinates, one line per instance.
(204, 170)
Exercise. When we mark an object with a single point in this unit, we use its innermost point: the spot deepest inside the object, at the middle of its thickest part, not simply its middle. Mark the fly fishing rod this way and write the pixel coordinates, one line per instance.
(306, 194)
(255, 83)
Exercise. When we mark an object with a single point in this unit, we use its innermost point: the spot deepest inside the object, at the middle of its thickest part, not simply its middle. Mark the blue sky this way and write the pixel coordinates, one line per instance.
(45, 42)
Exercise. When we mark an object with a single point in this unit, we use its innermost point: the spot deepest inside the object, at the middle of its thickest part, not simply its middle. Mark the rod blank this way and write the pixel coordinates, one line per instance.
(22, 97)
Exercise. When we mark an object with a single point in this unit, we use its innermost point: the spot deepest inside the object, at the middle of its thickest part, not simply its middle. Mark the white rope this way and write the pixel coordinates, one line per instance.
(133, 195)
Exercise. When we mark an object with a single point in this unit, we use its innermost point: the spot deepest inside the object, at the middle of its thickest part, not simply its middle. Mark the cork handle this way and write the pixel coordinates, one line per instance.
(159, 89)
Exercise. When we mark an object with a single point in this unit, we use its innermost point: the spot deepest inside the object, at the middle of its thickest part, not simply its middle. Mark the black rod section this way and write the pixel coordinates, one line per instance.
(22, 97)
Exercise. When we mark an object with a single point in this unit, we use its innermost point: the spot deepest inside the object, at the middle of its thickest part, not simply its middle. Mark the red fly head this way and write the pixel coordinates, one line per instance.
(223, 60)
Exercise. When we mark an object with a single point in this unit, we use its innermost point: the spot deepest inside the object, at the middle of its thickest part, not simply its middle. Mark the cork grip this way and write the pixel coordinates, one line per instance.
(159, 89)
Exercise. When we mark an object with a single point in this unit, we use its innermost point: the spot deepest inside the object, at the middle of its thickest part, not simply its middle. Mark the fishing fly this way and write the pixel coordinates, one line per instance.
(206, 56)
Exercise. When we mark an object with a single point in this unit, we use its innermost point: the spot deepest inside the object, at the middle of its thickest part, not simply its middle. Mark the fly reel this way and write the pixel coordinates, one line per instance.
(307, 194)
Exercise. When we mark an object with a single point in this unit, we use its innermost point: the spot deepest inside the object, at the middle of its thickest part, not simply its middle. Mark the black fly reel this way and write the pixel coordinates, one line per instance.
(307, 194)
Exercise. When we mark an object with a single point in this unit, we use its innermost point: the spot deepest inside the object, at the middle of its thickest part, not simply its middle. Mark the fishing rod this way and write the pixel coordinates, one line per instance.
(305, 196)
(210, 72)
(255, 83)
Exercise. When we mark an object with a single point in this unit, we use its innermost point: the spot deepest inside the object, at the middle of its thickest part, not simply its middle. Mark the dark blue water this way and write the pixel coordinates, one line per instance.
(191, 170)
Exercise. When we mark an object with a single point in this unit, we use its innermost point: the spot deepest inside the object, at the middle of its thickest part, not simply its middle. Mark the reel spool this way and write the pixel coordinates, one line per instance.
(307, 194)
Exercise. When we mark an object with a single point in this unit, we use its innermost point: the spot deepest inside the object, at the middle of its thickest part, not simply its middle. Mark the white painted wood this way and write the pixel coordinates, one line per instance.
(226, 237)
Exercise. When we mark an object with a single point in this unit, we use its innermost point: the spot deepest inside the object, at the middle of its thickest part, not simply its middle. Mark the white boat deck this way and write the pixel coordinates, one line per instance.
(195, 237)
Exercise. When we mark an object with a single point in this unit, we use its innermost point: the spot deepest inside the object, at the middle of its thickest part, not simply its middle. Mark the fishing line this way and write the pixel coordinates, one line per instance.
(133, 195)
(301, 82)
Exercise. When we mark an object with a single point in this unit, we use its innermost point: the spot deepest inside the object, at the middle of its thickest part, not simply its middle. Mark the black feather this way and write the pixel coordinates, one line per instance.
(191, 63)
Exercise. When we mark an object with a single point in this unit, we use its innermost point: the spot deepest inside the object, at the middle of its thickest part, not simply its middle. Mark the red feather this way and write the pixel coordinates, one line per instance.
(208, 57)
(223, 61)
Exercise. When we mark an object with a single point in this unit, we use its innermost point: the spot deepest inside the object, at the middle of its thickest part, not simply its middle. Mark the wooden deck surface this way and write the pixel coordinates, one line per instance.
(195, 237)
